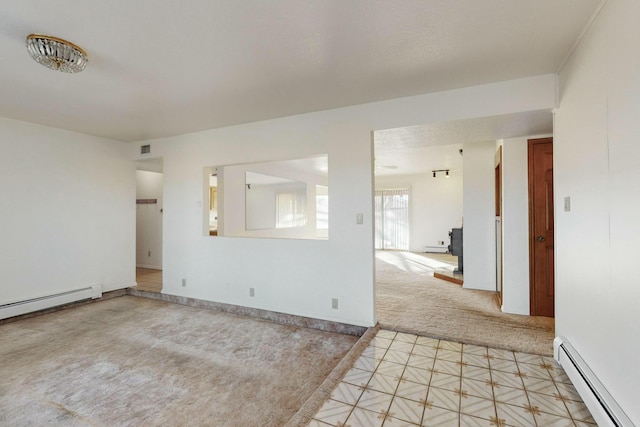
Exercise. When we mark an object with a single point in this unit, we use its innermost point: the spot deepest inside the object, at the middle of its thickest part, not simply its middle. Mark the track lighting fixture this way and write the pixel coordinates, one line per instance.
(446, 172)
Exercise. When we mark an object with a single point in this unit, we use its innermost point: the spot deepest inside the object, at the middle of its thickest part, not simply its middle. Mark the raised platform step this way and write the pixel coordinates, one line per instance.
(458, 279)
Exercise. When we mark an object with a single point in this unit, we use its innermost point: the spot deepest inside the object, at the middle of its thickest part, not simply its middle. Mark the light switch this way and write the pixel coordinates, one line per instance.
(567, 204)
(359, 218)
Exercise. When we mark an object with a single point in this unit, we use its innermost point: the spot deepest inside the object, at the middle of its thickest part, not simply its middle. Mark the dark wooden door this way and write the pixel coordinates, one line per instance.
(498, 223)
(541, 226)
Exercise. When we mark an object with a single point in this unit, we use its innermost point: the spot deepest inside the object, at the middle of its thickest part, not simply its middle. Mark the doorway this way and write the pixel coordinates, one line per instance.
(541, 227)
(149, 224)
(407, 296)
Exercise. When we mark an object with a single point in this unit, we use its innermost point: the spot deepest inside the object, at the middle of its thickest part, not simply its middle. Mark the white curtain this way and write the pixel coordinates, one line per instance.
(392, 219)
(322, 207)
(291, 209)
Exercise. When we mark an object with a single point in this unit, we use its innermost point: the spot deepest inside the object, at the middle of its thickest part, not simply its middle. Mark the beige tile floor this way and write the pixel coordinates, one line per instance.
(407, 380)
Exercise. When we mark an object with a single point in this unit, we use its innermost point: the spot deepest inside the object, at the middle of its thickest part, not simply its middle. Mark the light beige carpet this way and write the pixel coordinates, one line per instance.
(132, 361)
(410, 299)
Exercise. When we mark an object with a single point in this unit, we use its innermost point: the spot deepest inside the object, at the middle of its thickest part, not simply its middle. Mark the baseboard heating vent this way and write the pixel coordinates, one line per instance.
(601, 404)
(436, 249)
(40, 303)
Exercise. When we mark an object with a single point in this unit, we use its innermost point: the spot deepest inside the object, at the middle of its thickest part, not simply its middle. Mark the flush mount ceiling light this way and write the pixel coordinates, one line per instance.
(56, 53)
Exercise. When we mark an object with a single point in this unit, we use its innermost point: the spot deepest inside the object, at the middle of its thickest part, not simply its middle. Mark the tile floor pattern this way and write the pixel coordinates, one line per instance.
(407, 380)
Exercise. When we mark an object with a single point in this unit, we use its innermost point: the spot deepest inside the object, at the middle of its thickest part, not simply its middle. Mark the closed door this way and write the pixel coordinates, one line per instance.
(541, 226)
(498, 184)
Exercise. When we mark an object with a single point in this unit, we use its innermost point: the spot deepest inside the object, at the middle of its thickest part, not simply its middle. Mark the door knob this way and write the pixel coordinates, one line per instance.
(540, 239)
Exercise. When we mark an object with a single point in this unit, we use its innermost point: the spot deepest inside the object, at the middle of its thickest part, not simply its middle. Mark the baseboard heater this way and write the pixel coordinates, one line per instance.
(436, 249)
(40, 303)
(601, 404)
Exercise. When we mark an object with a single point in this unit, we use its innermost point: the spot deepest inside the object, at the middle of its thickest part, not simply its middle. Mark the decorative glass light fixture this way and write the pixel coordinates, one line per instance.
(56, 53)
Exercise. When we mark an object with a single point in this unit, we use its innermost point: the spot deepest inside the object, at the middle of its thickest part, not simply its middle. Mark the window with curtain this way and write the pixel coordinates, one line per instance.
(322, 210)
(291, 209)
(392, 219)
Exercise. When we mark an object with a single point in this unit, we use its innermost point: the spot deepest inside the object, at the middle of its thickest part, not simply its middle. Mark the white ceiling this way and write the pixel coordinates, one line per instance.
(160, 68)
(421, 149)
(274, 172)
(419, 160)
(253, 178)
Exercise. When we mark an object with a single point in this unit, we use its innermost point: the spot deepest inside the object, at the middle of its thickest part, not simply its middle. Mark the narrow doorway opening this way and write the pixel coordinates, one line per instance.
(409, 296)
(417, 201)
(149, 224)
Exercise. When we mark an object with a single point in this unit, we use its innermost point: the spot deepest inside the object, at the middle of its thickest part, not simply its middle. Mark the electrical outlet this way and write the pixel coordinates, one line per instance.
(252, 292)
(359, 218)
(149, 253)
(334, 303)
(184, 283)
(567, 204)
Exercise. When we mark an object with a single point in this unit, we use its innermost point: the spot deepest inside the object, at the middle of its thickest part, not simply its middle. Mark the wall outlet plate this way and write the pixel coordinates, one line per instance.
(334, 303)
(184, 283)
(252, 292)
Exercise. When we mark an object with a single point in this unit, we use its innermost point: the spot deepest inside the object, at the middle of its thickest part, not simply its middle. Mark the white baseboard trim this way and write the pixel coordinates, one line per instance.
(509, 310)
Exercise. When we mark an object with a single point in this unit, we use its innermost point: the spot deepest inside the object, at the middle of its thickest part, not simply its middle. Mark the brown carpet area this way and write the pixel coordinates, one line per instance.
(410, 299)
(133, 361)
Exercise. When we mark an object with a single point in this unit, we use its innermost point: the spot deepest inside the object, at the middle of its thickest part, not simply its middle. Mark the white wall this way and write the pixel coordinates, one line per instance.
(515, 224)
(149, 220)
(260, 212)
(478, 238)
(301, 276)
(435, 206)
(68, 212)
(291, 276)
(596, 154)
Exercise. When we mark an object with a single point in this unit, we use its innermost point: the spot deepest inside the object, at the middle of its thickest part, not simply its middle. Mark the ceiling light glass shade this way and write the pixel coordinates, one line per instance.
(56, 53)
